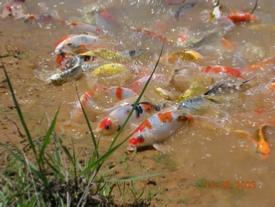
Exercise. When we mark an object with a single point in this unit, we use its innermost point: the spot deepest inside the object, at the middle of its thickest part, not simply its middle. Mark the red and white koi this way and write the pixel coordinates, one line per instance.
(221, 69)
(113, 122)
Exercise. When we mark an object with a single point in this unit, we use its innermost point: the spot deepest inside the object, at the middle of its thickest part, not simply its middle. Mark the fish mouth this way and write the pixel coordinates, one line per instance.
(131, 148)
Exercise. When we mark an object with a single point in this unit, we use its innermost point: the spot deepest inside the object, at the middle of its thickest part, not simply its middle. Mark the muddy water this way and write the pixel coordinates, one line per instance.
(214, 166)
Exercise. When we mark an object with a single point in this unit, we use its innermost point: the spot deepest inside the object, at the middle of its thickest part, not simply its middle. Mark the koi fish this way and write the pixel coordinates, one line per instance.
(239, 17)
(175, 2)
(216, 14)
(222, 86)
(72, 73)
(108, 70)
(196, 89)
(157, 128)
(144, 79)
(261, 142)
(161, 125)
(111, 55)
(116, 118)
(190, 55)
(152, 34)
(82, 26)
(195, 103)
(262, 64)
(184, 7)
(14, 9)
(76, 43)
(88, 99)
(221, 69)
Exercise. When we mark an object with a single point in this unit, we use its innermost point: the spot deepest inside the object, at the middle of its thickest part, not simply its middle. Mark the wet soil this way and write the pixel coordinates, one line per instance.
(204, 166)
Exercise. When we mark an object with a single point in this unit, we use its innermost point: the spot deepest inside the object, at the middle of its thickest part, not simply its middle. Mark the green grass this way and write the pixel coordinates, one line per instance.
(50, 174)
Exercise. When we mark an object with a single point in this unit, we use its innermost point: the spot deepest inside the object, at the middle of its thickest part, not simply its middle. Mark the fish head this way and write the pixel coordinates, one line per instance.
(140, 139)
(57, 79)
(263, 148)
(108, 126)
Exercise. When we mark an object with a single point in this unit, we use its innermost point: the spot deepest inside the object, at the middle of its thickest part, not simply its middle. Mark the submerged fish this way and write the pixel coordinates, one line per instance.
(261, 141)
(116, 118)
(87, 99)
(184, 7)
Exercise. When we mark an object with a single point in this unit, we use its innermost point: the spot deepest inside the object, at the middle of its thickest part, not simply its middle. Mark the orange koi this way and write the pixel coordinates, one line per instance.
(239, 17)
(221, 69)
(107, 16)
(116, 118)
(226, 43)
(261, 142)
(262, 64)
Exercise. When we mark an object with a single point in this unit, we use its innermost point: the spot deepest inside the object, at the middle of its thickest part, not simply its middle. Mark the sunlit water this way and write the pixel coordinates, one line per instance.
(198, 152)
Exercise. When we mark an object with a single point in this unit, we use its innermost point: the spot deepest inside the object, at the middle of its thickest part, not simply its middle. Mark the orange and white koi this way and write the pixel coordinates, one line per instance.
(261, 142)
(157, 128)
(221, 69)
(160, 126)
(88, 99)
(113, 122)
(76, 43)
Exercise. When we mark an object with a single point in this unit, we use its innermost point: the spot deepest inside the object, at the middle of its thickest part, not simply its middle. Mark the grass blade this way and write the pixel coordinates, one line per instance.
(47, 138)
(28, 135)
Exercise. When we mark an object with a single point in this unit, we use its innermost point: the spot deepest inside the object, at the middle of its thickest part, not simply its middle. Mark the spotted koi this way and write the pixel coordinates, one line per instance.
(157, 128)
(113, 122)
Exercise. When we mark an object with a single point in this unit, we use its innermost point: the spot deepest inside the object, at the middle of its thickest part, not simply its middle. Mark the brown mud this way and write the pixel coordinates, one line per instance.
(205, 166)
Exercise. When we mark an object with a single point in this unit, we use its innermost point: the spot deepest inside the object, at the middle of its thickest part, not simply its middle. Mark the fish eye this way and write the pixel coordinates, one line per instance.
(107, 126)
(140, 137)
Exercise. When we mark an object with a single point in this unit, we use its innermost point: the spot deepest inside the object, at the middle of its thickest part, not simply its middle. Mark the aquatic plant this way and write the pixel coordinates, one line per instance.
(51, 174)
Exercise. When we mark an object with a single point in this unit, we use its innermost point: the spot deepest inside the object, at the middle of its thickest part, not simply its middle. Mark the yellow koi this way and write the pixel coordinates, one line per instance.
(190, 55)
(108, 70)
